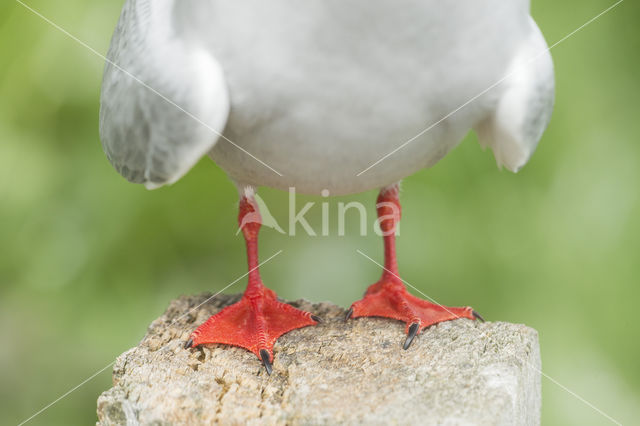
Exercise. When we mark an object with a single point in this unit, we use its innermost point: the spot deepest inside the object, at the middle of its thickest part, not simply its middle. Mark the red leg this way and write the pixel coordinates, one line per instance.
(389, 297)
(258, 319)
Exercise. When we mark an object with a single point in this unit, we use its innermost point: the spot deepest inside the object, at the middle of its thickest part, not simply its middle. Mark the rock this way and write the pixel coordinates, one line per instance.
(355, 372)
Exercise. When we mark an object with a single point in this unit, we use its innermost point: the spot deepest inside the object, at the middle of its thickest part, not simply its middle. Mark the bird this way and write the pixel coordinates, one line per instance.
(324, 96)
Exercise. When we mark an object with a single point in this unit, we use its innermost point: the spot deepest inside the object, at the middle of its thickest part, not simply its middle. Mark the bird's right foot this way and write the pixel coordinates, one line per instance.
(253, 323)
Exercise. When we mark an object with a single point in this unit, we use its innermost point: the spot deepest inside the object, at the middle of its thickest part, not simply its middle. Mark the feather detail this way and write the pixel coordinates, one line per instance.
(164, 102)
(522, 113)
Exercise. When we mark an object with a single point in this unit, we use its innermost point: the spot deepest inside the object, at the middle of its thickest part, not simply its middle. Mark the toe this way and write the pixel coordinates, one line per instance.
(266, 360)
(349, 313)
(477, 316)
(413, 331)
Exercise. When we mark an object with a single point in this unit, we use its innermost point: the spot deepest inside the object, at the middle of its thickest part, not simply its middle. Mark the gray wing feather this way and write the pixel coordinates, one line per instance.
(164, 100)
(524, 109)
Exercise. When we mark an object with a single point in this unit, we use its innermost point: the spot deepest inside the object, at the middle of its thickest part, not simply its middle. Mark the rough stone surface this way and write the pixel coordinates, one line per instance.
(355, 372)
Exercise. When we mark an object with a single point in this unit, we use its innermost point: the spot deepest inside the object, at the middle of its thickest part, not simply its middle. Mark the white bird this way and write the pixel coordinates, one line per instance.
(337, 95)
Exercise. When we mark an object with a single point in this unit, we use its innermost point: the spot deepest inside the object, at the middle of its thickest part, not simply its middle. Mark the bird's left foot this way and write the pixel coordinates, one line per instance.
(389, 298)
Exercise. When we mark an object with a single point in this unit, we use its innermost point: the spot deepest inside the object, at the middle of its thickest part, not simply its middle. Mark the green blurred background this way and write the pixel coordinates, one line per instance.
(89, 260)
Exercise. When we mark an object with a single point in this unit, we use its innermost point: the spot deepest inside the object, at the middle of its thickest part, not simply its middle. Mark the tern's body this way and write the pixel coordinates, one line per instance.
(310, 94)
(320, 90)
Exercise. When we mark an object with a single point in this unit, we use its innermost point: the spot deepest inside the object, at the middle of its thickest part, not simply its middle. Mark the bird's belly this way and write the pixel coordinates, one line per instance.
(318, 103)
(313, 150)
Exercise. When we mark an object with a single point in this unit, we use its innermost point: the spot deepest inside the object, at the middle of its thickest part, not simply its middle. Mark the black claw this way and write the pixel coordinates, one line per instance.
(349, 313)
(477, 316)
(188, 344)
(264, 354)
(413, 330)
(316, 318)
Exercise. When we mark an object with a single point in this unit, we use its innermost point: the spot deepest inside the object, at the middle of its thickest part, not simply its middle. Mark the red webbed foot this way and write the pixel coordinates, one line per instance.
(253, 323)
(257, 320)
(390, 299)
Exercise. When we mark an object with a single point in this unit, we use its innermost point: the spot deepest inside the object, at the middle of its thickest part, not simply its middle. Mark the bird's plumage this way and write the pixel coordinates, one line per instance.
(164, 99)
(523, 111)
(322, 89)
